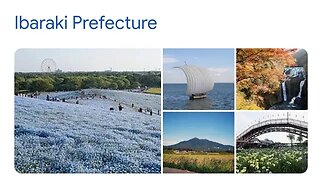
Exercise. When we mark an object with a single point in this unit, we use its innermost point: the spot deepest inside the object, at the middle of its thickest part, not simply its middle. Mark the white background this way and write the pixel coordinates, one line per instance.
(223, 23)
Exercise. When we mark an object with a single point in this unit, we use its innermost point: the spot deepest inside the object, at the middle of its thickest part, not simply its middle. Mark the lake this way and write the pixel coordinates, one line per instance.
(221, 97)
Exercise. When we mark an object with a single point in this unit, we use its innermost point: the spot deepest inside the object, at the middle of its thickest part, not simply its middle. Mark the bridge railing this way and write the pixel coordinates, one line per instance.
(275, 121)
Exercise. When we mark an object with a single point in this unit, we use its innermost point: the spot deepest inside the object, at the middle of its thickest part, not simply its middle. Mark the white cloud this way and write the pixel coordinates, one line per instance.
(219, 70)
(169, 60)
(222, 74)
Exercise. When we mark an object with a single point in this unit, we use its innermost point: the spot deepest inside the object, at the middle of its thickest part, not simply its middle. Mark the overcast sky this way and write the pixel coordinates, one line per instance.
(29, 60)
(246, 119)
(220, 62)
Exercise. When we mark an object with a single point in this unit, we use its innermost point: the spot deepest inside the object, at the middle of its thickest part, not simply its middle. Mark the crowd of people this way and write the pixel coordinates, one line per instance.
(86, 96)
(140, 109)
(30, 95)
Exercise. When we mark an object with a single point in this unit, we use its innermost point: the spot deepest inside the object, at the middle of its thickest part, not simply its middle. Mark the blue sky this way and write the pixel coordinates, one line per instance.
(220, 62)
(121, 59)
(214, 126)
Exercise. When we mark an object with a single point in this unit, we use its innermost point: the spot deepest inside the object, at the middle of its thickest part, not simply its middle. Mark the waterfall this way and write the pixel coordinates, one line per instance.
(301, 86)
(299, 95)
(284, 91)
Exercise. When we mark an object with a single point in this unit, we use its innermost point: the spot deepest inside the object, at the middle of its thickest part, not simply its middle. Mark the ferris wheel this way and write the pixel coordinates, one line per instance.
(48, 65)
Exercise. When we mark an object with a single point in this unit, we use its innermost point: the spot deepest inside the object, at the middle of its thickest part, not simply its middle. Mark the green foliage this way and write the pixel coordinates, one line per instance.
(149, 79)
(285, 160)
(41, 84)
(71, 83)
(291, 138)
(32, 82)
(300, 138)
(121, 84)
(114, 85)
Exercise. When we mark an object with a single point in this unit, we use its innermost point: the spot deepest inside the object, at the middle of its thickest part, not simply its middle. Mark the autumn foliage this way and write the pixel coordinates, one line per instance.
(259, 73)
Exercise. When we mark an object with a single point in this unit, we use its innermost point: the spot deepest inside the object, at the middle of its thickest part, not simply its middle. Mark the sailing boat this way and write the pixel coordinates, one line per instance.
(199, 81)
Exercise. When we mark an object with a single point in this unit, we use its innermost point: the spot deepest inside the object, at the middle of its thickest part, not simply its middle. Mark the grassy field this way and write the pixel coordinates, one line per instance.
(284, 160)
(200, 163)
(153, 91)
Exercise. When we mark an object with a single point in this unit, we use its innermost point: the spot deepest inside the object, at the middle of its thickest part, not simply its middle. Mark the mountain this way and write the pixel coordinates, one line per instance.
(197, 144)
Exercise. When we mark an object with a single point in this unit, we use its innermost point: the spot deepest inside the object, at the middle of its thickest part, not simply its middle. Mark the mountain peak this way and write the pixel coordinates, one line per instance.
(195, 138)
(197, 144)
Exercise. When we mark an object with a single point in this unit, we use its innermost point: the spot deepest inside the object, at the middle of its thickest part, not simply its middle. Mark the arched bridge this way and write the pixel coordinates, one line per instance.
(289, 125)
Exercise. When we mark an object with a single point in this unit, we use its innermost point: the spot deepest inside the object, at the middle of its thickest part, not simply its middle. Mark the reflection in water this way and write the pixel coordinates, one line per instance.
(199, 104)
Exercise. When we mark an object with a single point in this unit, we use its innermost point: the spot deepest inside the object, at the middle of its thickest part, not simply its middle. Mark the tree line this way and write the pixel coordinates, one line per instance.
(71, 81)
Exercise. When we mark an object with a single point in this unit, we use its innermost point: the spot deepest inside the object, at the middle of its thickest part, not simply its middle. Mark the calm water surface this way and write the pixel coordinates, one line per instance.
(221, 97)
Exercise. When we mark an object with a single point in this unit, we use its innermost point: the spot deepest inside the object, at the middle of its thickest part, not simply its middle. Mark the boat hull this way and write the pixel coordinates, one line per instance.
(197, 96)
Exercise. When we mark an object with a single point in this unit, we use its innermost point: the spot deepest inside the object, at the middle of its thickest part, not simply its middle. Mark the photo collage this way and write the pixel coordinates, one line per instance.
(171, 110)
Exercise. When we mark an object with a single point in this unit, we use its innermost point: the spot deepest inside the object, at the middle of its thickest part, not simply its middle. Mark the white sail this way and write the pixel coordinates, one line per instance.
(199, 80)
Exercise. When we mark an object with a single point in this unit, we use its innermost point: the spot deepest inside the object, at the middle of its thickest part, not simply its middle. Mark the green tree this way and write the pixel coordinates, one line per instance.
(135, 84)
(126, 83)
(291, 138)
(300, 139)
(120, 83)
(58, 83)
(41, 85)
(72, 83)
(21, 84)
(114, 85)
(90, 82)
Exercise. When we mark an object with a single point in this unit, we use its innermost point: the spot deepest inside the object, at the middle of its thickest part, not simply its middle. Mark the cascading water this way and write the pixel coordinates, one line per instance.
(301, 86)
(299, 94)
(293, 91)
(284, 91)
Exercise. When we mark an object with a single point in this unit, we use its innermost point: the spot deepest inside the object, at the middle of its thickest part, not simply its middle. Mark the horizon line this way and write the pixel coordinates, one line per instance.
(200, 139)
(187, 83)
